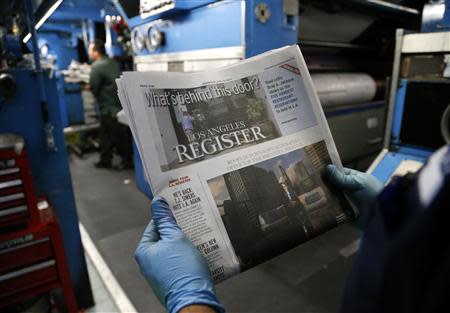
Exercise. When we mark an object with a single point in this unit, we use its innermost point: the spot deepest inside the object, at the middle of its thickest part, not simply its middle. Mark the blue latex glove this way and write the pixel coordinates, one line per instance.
(173, 267)
(361, 188)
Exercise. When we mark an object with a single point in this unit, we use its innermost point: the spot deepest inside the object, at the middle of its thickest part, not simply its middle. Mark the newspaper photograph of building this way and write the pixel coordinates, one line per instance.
(270, 207)
(211, 120)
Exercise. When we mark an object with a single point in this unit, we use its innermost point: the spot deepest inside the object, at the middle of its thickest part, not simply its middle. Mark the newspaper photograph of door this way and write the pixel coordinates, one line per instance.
(218, 118)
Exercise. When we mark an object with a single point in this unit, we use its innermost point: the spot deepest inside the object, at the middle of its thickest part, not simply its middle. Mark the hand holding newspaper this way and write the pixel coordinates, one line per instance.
(239, 154)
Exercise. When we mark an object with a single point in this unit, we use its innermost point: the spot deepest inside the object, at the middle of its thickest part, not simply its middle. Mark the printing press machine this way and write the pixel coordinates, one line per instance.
(30, 109)
(347, 65)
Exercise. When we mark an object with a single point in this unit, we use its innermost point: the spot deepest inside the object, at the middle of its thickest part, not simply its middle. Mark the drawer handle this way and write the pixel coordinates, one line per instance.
(8, 171)
(19, 209)
(27, 270)
(10, 183)
(12, 197)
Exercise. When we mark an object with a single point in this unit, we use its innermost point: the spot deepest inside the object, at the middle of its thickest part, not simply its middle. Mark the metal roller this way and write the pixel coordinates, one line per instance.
(336, 89)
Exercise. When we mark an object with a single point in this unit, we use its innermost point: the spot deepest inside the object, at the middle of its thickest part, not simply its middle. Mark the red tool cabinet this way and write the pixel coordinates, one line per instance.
(17, 198)
(32, 261)
(32, 257)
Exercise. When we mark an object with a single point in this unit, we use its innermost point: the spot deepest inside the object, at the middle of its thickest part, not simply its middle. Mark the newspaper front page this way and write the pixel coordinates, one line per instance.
(239, 154)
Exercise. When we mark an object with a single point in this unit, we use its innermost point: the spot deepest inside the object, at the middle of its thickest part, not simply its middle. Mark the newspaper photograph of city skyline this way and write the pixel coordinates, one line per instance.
(272, 206)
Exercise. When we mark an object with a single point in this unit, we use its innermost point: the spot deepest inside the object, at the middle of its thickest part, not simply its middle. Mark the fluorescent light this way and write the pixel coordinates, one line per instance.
(43, 19)
(394, 6)
(47, 15)
(26, 38)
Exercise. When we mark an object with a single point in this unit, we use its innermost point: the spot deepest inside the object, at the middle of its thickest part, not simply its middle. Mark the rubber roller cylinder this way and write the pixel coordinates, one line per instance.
(338, 89)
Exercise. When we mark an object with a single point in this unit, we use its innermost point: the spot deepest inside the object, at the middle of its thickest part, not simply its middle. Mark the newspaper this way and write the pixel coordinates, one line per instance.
(239, 154)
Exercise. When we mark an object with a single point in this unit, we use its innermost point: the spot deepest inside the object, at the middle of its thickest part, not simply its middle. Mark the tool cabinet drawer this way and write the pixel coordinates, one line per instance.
(24, 255)
(28, 278)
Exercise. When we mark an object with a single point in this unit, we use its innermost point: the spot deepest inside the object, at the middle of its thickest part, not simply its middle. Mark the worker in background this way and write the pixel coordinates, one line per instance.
(102, 81)
(403, 264)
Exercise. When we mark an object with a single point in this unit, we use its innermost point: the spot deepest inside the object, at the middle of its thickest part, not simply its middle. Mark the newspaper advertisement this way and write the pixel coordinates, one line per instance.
(239, 153)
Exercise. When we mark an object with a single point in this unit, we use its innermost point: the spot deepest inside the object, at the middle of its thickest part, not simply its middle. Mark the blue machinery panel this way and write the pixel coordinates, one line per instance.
(279, 30)
(224, 24)
(229, 23)
(214, 26)
(50, 169)
(398, 112)
(62, 46)
(387, 166)
(392, 160)
(178, 6)
(141, 183)
(74, 103)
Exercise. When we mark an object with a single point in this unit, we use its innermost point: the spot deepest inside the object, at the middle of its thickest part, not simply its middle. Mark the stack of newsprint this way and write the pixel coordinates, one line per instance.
(239, 153)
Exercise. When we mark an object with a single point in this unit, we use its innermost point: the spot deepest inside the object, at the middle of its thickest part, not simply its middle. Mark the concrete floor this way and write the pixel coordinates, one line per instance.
(309, 278)
(103, 301)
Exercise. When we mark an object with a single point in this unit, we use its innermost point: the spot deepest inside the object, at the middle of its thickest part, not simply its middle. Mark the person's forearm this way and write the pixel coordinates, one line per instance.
(197, 308)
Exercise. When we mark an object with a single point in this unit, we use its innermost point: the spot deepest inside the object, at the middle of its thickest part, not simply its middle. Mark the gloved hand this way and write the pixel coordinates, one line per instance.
(173, 267)
(360, 187)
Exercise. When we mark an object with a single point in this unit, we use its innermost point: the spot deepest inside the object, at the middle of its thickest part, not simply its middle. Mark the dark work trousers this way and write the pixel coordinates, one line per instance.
(114, 135)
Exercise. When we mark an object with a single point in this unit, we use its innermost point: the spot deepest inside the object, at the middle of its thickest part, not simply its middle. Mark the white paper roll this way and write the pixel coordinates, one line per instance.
(336, 89)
